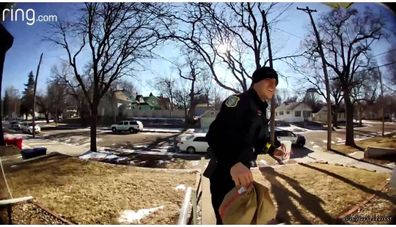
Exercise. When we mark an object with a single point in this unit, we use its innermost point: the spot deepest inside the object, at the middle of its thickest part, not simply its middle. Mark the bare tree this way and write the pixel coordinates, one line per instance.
(364, 89)
(167, 87)
(390, 58)
(43, 103)
(182, 98)
(11, 102)
(195, 75)
(336, 94)
(62, 74)
(117, 36)
(226, 36)
(347, 36)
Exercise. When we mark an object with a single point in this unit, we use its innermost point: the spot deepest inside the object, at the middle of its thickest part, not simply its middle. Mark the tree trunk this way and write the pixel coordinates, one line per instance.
(335, 116)
(94, 119)
(349, 134)
(191, 112)
(47, 117)
(360, 114)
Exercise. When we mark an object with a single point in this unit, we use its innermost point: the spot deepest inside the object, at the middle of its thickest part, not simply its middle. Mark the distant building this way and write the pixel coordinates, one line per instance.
(150, 102)
(293, 112)
(321, 115)
(207, 118)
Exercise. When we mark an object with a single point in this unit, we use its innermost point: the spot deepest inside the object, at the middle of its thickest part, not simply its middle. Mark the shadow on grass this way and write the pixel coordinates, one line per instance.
(300, 152)
(286, 207)
(360, 160)
(352, 183)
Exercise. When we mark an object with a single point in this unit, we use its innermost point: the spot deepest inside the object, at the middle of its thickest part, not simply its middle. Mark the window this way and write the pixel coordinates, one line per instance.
(307, 114)
(200, 139)
(281, 113)
(288, 112)
(297, 113)
(281, 133)
(290, 134)
(125, 123)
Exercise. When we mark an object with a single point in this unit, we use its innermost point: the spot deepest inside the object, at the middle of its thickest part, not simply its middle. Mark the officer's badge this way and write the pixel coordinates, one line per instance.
(232, 101)
(259, 113)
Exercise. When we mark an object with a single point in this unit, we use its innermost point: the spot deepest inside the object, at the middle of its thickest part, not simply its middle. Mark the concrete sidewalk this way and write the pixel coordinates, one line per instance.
(333, 158)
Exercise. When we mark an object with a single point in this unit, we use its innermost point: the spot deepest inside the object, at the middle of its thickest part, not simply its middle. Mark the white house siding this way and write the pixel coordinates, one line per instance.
(321, 116)
(290, 115)
(154, 113)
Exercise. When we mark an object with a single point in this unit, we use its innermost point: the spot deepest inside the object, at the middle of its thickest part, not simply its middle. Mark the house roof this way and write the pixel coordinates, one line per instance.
(120, 95)
(291, 106)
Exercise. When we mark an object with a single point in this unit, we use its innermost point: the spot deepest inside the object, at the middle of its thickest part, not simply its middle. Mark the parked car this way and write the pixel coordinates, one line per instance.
(194, 143)
(16, 125)
(27, 127)
(131, 126)
(296, 140)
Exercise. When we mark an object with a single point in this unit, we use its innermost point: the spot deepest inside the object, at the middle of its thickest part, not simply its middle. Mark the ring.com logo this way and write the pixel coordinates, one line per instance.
(28, 15)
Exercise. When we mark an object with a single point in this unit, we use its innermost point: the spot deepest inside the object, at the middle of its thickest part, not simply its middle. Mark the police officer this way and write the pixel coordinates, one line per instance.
(238, 134)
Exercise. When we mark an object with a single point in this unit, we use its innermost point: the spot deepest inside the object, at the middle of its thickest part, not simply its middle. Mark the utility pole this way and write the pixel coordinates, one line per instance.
(34, 97)
(272, 119)
(321, 53)
(382, 102)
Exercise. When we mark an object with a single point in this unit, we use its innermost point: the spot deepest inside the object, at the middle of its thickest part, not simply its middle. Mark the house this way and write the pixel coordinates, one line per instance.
(112, 102)
(150, 102)
(207, 118)
(293, 112)
(201, 108)
(321, 115)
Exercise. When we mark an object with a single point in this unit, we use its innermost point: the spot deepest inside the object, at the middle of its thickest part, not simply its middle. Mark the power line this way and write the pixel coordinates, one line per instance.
(384, 52)
(379, 66)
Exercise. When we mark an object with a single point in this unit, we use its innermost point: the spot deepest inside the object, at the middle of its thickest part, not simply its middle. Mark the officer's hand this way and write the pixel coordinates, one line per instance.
(281, 155)
(241, 175)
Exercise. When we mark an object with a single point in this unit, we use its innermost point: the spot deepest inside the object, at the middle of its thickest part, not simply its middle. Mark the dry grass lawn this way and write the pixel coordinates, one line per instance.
(388, 141)
(319, 193)
(88, 192)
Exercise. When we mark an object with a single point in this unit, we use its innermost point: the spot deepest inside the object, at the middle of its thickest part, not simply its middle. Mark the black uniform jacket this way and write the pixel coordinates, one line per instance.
(240, 131)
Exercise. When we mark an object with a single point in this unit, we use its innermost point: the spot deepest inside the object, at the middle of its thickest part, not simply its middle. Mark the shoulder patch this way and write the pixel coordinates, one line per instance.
(232, 101)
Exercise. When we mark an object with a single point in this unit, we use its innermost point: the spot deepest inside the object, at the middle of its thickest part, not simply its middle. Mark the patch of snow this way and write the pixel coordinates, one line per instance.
(173, 130)
(140, 146)
(312, 142)
(134, 217)
(98, 155)
(181, 187)
(324, 141)
(194, 163)
(121, 159)
(162, 161)
(294, 128)
(315, 146)
(262, 163)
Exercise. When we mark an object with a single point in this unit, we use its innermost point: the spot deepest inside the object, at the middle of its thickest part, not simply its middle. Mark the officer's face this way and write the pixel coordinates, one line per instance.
(265, 88)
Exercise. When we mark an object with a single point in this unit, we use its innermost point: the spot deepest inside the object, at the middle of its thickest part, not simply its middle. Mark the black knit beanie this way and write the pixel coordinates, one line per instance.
(264, 73)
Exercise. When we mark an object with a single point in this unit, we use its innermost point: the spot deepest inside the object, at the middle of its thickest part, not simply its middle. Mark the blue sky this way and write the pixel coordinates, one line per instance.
(28, 45)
